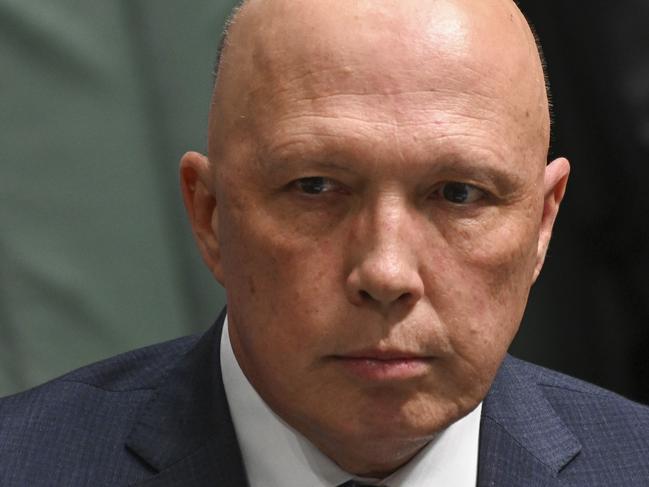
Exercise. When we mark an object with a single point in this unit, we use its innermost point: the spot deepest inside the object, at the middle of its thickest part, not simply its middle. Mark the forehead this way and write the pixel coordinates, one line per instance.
(382, 50)
(418, 66)
(283, 40)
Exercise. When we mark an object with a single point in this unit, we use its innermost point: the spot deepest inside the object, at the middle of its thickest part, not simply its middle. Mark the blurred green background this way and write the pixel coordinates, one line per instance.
(98, 101)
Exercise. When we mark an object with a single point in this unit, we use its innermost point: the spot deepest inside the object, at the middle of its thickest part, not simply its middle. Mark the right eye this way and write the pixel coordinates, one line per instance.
(315, 185)
(461, 193)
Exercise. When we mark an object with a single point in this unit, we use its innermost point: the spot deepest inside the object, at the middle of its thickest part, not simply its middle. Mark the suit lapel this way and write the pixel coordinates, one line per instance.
(185, 433)
(522, 439)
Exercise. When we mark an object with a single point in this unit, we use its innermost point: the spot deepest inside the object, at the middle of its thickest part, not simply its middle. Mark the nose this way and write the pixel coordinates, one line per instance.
(384, 271)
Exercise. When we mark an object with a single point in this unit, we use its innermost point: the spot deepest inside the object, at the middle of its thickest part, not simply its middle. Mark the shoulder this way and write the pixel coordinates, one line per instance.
(578, 401)
(613, 431)
(137, 370)
(86, 412)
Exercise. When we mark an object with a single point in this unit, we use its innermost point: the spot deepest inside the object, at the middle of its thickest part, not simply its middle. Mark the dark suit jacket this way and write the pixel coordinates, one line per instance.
(158, 417)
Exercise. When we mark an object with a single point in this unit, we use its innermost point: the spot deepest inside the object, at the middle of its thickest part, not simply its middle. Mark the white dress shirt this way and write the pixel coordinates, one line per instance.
(275, 455)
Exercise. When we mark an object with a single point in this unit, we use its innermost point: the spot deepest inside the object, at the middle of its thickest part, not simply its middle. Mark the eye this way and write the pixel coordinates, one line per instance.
(460, 193)
(315, 185)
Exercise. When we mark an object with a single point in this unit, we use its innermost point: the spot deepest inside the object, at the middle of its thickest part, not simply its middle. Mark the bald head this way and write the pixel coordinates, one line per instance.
(495, 34)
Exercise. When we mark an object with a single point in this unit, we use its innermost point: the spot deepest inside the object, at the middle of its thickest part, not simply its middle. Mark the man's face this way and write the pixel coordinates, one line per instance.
(377, 218)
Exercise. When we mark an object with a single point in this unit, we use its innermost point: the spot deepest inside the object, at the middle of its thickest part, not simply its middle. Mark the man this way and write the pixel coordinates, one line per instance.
(377, 204)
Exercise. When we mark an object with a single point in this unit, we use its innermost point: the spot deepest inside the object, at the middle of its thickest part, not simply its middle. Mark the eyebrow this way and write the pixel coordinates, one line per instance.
(277, 165)
(506, 181)
(273, 158)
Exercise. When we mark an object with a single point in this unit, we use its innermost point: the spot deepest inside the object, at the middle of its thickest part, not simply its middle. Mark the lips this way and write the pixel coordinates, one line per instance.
(381, 365)
(385, 355)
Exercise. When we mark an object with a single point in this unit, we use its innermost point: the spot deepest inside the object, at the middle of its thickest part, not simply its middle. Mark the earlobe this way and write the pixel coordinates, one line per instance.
(555, 181)
(197, 185)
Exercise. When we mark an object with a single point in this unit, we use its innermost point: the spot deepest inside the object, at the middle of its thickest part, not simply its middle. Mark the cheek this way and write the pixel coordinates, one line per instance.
(271, 273)
(487, 278)
(275, 269)
(501, 252)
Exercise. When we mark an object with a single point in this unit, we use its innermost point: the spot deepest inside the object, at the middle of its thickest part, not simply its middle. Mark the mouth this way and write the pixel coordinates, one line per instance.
(380, 366)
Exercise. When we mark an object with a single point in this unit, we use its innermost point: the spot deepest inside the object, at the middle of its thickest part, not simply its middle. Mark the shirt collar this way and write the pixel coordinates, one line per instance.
(276, 455)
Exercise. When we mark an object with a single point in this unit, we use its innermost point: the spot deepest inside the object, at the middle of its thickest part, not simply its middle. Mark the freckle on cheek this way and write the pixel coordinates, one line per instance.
(251, 285)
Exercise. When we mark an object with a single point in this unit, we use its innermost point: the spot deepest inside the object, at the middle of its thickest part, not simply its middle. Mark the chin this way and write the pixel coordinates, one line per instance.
(415, 420)
(380, 447)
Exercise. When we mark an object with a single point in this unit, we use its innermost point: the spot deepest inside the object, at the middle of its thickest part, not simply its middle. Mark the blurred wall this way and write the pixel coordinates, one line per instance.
(589, 313)
(98, 100)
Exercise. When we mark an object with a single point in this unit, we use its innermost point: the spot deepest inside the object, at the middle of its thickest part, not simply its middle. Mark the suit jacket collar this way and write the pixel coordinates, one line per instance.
(184, 432)
(522, 439)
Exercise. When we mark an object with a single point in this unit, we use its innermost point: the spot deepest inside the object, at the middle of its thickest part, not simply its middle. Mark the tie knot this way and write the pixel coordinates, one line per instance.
(354, 483)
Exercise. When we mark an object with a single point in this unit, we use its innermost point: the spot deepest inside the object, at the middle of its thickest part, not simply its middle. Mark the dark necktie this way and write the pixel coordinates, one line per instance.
(354, 483)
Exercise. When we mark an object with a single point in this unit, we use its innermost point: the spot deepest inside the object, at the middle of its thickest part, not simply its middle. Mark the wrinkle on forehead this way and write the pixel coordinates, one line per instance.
(307, 50)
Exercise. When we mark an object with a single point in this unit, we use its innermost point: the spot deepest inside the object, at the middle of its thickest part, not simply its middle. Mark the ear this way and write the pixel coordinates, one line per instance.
(556, 178)
(197, 184)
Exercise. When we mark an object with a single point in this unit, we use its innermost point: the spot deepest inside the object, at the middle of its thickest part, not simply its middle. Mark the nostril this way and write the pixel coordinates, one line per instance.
(404, 297)
(365, 296)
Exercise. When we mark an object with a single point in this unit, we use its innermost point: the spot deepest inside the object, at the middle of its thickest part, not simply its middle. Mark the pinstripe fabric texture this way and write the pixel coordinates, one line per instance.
(157, 417)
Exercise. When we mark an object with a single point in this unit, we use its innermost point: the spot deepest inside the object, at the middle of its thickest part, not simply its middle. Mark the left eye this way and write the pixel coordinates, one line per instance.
(460, 193)
(315, 185)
